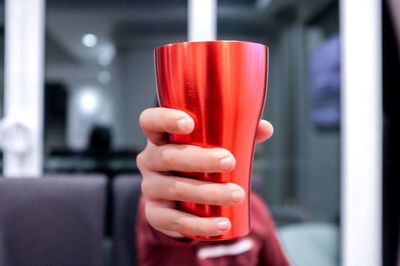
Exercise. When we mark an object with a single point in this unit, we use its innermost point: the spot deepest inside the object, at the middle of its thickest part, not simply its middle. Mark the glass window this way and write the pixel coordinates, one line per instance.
(99, 77)
(299, 165)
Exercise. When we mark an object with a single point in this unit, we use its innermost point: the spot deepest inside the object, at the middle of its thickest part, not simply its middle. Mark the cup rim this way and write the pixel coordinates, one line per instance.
(216, 41)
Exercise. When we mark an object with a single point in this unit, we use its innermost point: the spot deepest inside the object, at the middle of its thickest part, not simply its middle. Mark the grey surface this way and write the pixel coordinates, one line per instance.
(311, 243)
(51, 221)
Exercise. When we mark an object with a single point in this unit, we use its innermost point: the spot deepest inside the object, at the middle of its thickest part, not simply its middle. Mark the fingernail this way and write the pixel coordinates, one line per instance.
(226, 163)
(223, 225)
(237, 196)
(182, 124)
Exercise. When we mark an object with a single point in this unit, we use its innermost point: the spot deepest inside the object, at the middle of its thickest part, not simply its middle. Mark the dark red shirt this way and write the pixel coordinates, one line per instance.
(260, 247)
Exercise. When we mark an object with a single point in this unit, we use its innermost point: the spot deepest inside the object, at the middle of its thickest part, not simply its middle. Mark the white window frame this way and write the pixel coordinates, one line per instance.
(21, 130)
(202, 20)
(361, 193)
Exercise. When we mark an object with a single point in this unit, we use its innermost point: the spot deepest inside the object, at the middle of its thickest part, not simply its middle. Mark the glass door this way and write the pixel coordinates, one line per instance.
(300, 165)
(99, 76)
(21, 126)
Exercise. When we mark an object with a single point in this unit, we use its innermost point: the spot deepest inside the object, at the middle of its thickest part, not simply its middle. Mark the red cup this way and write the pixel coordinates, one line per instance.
(222, 86)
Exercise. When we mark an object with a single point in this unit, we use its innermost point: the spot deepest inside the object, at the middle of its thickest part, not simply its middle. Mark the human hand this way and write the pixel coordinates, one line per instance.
(161, 189)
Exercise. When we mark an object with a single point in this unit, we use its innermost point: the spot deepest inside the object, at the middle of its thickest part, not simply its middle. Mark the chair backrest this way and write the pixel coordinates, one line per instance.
(52, 221)
(126, 193)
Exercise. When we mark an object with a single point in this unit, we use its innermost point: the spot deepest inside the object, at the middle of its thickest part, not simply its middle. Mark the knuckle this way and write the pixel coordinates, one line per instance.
(149, 216)
(166, 157)
(177, 225)
(146, 187)
(207, 159)
(196, 228)
(142, 116)
(180, 190)
(201, 227)
(218, 196)
(153, 218)
(233, 187)
(193, 226)
(222, 151)
(168, 117)
(203, 167)
(204, 198)
(140, 161)
(172, 113)
(148, 212)
(215, 156)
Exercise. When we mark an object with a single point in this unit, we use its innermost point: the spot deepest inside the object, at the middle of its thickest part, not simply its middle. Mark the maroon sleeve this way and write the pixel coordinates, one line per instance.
(155, 247)
(264, 227)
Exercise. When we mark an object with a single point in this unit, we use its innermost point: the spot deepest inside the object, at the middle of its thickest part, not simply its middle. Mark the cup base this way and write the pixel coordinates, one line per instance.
(222, 237)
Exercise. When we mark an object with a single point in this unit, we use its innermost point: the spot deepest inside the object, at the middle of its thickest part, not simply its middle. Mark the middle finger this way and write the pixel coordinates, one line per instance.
(188, 158)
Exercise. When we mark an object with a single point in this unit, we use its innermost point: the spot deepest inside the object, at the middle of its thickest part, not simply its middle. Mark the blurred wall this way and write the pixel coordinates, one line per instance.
(300, 163)
(136, 91)
(306, 172)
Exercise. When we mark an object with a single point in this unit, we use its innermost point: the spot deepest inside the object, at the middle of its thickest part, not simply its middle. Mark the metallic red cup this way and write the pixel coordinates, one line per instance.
(222, 86)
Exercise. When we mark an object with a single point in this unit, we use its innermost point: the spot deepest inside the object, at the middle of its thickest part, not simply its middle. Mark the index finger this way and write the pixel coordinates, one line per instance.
(157, 122)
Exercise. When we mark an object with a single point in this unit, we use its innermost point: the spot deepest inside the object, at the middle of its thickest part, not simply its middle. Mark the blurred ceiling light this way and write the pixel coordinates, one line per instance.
(262, 4)
(88, 101)
(104, 77)
(104, 59)
(89, 40)
(106, 56)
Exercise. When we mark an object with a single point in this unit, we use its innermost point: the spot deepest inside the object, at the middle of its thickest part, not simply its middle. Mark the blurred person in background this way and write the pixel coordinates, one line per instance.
(100, 139)
(160, 224)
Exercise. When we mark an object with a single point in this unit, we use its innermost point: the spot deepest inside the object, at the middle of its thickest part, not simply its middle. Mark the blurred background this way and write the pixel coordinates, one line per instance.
(99, 76)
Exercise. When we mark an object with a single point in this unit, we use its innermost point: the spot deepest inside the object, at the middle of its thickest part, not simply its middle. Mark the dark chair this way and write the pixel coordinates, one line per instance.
(52, 221)
(126, 193)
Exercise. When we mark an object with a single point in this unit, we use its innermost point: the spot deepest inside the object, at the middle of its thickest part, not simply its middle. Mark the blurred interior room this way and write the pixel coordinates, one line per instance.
(324, 174)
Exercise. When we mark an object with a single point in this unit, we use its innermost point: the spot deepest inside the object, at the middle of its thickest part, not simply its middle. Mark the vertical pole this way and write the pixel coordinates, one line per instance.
(361, 132)
(23, 101)
(202, 20)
